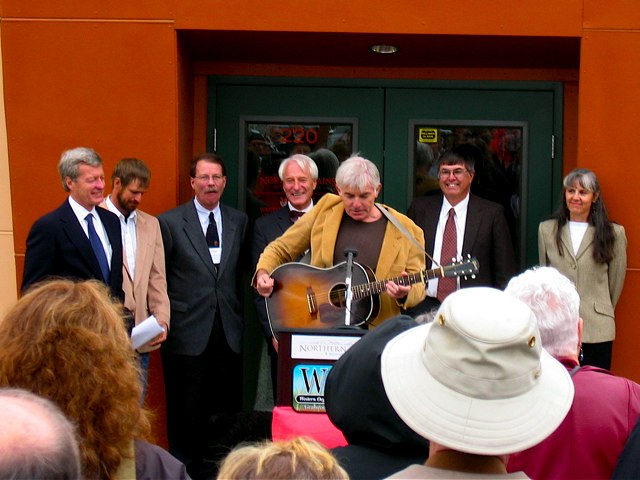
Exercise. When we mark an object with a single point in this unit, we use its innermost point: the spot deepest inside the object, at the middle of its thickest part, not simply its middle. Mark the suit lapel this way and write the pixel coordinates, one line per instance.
(474, 219)
(229, 228)
(586, 242)
(78, 238)
(431, 213)
(283, 221)
(565, 238)
(194, 233)
(144, 246)
(104, 206)
(390, 243)
(330, 232)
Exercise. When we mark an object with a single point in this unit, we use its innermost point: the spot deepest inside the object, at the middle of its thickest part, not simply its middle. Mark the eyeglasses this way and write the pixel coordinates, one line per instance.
(458, 172)
(214, 178)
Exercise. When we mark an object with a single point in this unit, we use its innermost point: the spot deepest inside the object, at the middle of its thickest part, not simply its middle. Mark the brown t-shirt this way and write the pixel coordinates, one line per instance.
(365, 237)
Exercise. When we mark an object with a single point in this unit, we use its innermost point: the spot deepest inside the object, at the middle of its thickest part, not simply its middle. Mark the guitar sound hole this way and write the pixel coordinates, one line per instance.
(337, 295)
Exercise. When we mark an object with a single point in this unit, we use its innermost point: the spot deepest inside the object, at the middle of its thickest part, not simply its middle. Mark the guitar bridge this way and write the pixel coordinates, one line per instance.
(312, 303)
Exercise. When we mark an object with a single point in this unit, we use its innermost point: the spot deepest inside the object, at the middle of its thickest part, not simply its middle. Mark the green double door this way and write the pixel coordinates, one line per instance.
(388, 119)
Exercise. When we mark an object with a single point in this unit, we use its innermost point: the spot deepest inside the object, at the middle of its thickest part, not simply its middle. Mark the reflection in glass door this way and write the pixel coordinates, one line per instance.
(501, 156)
(270, 140)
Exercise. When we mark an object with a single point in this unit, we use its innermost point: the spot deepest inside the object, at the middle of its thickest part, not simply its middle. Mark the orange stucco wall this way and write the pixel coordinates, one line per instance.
(73, 84)
(112, 75)
(609, 105)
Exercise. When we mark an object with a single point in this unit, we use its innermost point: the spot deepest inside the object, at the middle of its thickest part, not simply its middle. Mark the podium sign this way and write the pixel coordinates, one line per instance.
(305, 358)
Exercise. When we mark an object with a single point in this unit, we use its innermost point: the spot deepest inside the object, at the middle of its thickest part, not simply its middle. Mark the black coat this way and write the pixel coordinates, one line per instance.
(58, 247)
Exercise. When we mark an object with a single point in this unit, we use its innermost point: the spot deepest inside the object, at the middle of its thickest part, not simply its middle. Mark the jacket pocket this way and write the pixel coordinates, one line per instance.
(179, 306)
(603, 309)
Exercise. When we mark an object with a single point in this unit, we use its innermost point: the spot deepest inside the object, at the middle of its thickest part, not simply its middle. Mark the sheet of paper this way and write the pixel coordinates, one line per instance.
(145, 331)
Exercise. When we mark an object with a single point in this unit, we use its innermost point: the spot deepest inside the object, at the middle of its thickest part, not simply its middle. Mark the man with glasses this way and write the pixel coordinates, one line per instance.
(457, 224)
(202, 359)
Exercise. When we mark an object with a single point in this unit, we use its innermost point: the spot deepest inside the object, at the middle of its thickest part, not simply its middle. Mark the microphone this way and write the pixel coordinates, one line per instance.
(350, 253)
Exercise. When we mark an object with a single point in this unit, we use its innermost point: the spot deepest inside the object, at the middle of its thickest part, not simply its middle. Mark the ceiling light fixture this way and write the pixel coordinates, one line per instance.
(382, 48)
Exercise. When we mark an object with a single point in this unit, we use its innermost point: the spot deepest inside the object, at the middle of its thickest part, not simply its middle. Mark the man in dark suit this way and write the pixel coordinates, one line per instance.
(299, 175)
(480, 228)
(77, 240)
(201, 358)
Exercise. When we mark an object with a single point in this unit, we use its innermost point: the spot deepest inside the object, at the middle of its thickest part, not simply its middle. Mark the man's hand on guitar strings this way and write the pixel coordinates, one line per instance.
(397, 291)
(264, 283)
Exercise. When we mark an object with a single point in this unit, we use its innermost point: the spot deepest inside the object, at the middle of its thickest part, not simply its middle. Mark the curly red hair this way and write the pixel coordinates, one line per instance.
(66, 341)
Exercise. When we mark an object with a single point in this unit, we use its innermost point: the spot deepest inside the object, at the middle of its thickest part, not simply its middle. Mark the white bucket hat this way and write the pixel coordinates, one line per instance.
(477, 379)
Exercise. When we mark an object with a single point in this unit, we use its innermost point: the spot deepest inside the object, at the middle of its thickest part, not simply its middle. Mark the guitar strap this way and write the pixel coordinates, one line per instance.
(404, 231)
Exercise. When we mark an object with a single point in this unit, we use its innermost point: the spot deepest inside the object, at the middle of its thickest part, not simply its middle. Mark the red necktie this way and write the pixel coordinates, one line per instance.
(294, 215)
(448, 252)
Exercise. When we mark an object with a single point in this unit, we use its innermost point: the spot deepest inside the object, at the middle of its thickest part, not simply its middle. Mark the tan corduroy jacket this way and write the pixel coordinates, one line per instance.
(318, 229)
(599, 285)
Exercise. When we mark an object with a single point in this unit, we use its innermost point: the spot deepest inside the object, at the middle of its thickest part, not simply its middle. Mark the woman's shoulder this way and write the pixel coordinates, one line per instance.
(548, 225)
(617, 228)
(155, 463)
(619, 233)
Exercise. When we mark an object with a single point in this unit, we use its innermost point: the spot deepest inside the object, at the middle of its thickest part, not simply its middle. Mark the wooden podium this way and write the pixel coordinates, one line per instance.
(305, 357)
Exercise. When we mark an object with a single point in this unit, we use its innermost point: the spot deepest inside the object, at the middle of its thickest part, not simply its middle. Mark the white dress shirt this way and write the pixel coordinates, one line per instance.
(203, 216)
(460, 220)
(129, 238)
(81, 213)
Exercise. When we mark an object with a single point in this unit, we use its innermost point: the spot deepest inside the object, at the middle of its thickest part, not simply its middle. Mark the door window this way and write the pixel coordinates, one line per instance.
(498, 164)
(269, 141)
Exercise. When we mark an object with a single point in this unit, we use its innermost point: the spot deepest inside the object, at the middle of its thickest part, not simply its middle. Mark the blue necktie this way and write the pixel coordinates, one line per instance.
(98, 249)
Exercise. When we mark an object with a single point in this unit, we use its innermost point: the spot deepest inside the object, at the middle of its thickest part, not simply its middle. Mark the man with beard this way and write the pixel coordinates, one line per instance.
(202, 358)
(143, 273)
(77, 240)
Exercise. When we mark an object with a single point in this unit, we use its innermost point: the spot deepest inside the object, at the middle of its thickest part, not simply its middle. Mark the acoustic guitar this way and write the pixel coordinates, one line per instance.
(305, 296)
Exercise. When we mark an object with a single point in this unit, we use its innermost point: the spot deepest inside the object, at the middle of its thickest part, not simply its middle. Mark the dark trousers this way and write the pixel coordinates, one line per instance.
(199, 389)
(597, 354)
(273, 368)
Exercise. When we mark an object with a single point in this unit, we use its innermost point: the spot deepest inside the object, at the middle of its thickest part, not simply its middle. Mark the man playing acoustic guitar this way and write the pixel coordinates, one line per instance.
(328, 232)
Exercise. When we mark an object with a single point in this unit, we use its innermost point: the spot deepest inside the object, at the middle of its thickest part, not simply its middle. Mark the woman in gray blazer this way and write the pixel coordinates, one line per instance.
(581, 242)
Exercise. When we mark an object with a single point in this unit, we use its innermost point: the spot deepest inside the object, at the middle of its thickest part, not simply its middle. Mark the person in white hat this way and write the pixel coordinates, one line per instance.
(476, 383)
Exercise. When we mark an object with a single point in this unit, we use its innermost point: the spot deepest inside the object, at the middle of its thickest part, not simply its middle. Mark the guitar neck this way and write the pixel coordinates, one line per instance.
(374, 288)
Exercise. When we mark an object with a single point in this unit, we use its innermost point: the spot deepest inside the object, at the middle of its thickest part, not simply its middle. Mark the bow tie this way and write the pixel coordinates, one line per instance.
(294, 215)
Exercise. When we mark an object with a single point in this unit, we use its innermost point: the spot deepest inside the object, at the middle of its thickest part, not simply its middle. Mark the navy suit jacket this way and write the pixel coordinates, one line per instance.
(196, 290)
(267, 229)
(486, 237)
(58, 247)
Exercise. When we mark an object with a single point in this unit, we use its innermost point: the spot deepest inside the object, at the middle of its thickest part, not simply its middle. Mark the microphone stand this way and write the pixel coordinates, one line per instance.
(350, 253)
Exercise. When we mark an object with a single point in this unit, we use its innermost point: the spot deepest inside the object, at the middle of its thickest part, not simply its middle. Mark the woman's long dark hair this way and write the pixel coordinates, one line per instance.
(604, 235)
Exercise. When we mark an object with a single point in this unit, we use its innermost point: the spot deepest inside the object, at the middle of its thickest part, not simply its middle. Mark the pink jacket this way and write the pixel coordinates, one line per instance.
(590, 439)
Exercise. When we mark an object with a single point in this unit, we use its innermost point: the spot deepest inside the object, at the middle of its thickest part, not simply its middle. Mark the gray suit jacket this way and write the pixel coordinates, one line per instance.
(196, 290)
(599, 285)
(486, 237)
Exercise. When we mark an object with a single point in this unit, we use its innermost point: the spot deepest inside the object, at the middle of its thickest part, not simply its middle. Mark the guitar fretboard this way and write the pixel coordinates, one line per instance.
(368, 289)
